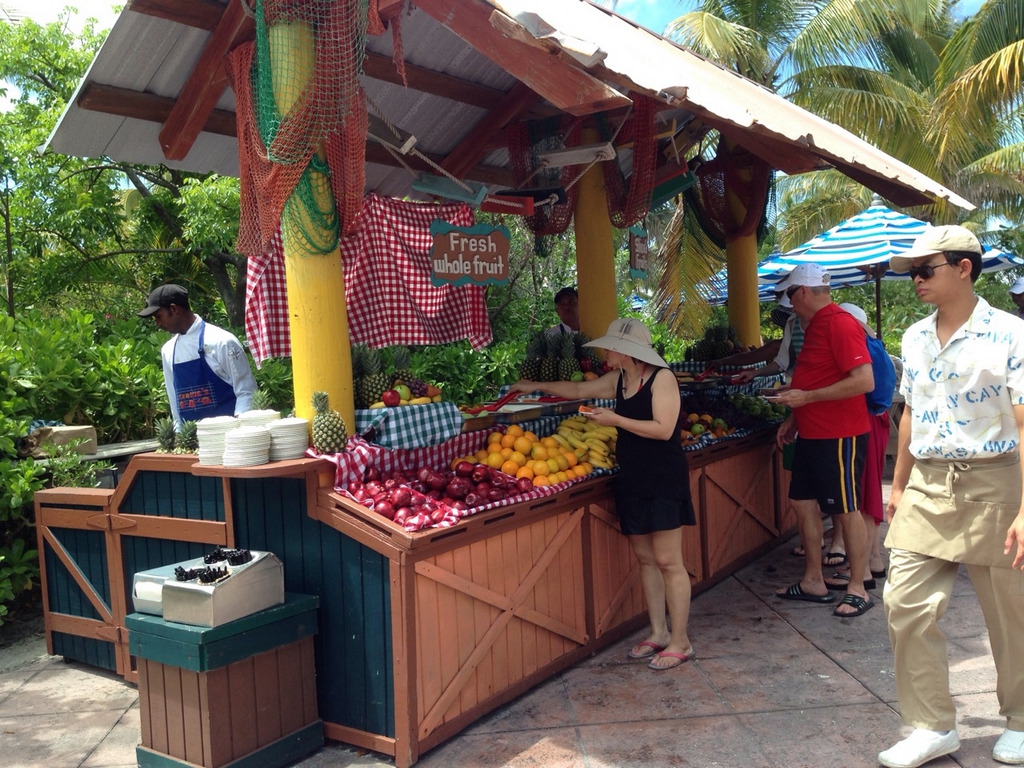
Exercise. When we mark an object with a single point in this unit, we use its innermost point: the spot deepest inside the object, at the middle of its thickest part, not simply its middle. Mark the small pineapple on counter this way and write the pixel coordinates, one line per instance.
(329, 432)
(166, 436)
(188, 438)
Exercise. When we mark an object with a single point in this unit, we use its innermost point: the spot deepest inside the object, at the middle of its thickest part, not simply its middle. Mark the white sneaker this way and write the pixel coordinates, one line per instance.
(920, 747)
(1010, 748)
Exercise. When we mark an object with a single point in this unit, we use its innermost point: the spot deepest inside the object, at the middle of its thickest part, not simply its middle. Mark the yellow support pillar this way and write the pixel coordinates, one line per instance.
(318, 319)
(744, 310)
(595, 250)
(741, 271)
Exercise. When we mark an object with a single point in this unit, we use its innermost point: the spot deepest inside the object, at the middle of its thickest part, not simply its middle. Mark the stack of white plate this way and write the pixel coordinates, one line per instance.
(257, 418)
(289, 438)
(246, 447)
(211, 433)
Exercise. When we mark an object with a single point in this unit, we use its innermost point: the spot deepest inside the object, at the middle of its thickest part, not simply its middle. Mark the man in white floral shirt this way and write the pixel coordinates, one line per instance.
(956, 495)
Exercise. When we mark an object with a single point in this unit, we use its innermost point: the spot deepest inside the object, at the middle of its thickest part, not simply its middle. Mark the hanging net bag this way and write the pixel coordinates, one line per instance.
(301, 121)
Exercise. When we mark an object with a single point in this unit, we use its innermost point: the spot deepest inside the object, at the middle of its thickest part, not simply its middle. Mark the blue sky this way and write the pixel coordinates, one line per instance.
(656, 14)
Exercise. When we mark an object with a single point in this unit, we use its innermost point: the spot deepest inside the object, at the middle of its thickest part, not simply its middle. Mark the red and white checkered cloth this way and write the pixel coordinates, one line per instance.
(388, 292)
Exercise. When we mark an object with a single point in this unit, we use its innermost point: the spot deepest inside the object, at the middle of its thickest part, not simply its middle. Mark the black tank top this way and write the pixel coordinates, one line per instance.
(643, 461)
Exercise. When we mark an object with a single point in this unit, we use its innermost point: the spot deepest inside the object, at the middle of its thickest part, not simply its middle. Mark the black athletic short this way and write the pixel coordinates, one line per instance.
(830, 471)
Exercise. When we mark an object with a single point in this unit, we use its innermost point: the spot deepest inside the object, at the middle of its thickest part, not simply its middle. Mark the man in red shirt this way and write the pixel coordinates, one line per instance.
(830, 426)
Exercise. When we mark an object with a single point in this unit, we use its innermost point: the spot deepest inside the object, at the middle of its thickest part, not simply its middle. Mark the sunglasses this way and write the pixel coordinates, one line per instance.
(925, 271)
(792, 290)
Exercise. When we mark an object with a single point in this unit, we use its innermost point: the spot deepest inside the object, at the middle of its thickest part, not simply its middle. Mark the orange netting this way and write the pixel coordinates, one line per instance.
(525, 140)
(747, 177)
(298, 97)
(629, 203)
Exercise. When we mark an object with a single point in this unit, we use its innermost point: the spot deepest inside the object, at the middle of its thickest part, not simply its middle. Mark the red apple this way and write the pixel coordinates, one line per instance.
(391, 398)
(524, 484)
(464, 469)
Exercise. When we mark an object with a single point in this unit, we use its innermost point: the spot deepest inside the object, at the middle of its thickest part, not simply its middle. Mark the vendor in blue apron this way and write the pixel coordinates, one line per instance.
(206, 370)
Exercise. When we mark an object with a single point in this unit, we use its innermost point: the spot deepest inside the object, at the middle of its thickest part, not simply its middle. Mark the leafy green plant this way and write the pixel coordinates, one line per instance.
(67, 468)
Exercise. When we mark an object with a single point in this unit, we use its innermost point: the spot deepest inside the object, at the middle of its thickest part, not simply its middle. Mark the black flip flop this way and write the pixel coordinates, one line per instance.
(860, 605)
(796, 592)
(838, 582)
(834, 559)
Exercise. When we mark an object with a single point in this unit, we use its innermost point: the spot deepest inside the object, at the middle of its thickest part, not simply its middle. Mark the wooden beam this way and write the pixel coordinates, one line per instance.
(553, 76)
(201, 14)
(206, 84)
(435, 83)
(146, 106)
(470, 151)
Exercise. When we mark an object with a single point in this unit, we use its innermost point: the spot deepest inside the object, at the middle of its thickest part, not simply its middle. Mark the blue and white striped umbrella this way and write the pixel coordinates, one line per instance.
(854, 250)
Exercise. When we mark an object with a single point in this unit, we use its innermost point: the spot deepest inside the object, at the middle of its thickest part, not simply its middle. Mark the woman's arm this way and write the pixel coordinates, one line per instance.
(602, 388)
(665, 405)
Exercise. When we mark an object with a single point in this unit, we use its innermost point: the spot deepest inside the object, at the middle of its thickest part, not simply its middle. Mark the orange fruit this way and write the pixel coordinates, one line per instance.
(693, 418)
(506, 453)
(531, 436)
(552, 466)
(515, 430)
(540, 468)
(587, 466)
(494, 460)
(510, 468)
(579, 470)
(571, 458)
(549, 442)
(560, 477)
(538, 452)
(706, 418)
(507, 441)
(540, 480)
(518, 458)
(561, 461)
(524, 472)
(523, 444)
(494, 436)
(494, 447)
(481, 456)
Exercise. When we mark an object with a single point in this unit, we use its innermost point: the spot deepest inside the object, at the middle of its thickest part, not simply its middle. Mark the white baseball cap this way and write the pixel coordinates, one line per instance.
(1018, 286)
(936, 240)
(809, 274)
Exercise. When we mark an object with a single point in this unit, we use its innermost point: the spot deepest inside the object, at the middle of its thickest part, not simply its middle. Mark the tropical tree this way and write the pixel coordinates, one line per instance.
(904, 75)
(95, 232)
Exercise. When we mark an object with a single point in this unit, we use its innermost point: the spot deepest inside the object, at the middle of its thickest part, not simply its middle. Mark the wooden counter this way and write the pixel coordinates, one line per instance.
(421, 633)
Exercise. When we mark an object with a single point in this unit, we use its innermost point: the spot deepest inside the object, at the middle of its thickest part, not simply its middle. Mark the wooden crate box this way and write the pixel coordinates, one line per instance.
(244, 690)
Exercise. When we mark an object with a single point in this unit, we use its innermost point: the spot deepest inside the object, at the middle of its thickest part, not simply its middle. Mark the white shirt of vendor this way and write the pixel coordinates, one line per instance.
(224, 354)
(961, 396)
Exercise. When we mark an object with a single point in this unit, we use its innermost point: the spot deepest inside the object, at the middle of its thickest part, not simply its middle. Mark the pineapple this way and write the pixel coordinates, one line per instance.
(358, 376)
(549, 362)
(376, 381)
(165, 435)
(529, 369)
(567, 362)
(402, 360)
(329, 433)
(188, 438)
(262, 401)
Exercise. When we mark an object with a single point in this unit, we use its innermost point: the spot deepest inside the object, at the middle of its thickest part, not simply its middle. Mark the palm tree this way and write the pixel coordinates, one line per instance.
(944, 98)
(884, 71)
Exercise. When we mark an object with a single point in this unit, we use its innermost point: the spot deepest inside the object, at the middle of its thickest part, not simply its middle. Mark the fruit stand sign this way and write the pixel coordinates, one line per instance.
(476, 255)
(637, 252)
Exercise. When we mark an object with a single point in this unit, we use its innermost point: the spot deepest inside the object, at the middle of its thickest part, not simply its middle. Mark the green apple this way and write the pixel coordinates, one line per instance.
(404, 392)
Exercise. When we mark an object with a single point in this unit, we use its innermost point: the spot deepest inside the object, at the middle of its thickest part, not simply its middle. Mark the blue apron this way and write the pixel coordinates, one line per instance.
(201, 392)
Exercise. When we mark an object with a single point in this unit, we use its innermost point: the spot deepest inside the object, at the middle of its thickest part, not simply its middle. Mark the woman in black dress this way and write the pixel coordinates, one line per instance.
(652, 489)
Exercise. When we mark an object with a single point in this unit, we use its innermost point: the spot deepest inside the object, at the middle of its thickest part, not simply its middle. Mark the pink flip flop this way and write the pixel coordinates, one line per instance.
(679, 659)
(655, 648)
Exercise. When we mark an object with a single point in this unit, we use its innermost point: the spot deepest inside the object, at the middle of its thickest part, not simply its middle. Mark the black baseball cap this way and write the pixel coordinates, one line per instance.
(164, 296)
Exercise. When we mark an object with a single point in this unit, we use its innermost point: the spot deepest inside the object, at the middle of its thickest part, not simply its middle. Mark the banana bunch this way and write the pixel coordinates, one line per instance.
(590, 441)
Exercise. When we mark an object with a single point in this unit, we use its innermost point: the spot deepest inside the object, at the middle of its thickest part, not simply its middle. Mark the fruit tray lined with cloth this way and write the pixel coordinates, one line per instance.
(430, 487)
(410, 426)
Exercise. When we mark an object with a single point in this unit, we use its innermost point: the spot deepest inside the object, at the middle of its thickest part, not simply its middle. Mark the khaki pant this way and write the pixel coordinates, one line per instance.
(917, 593)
